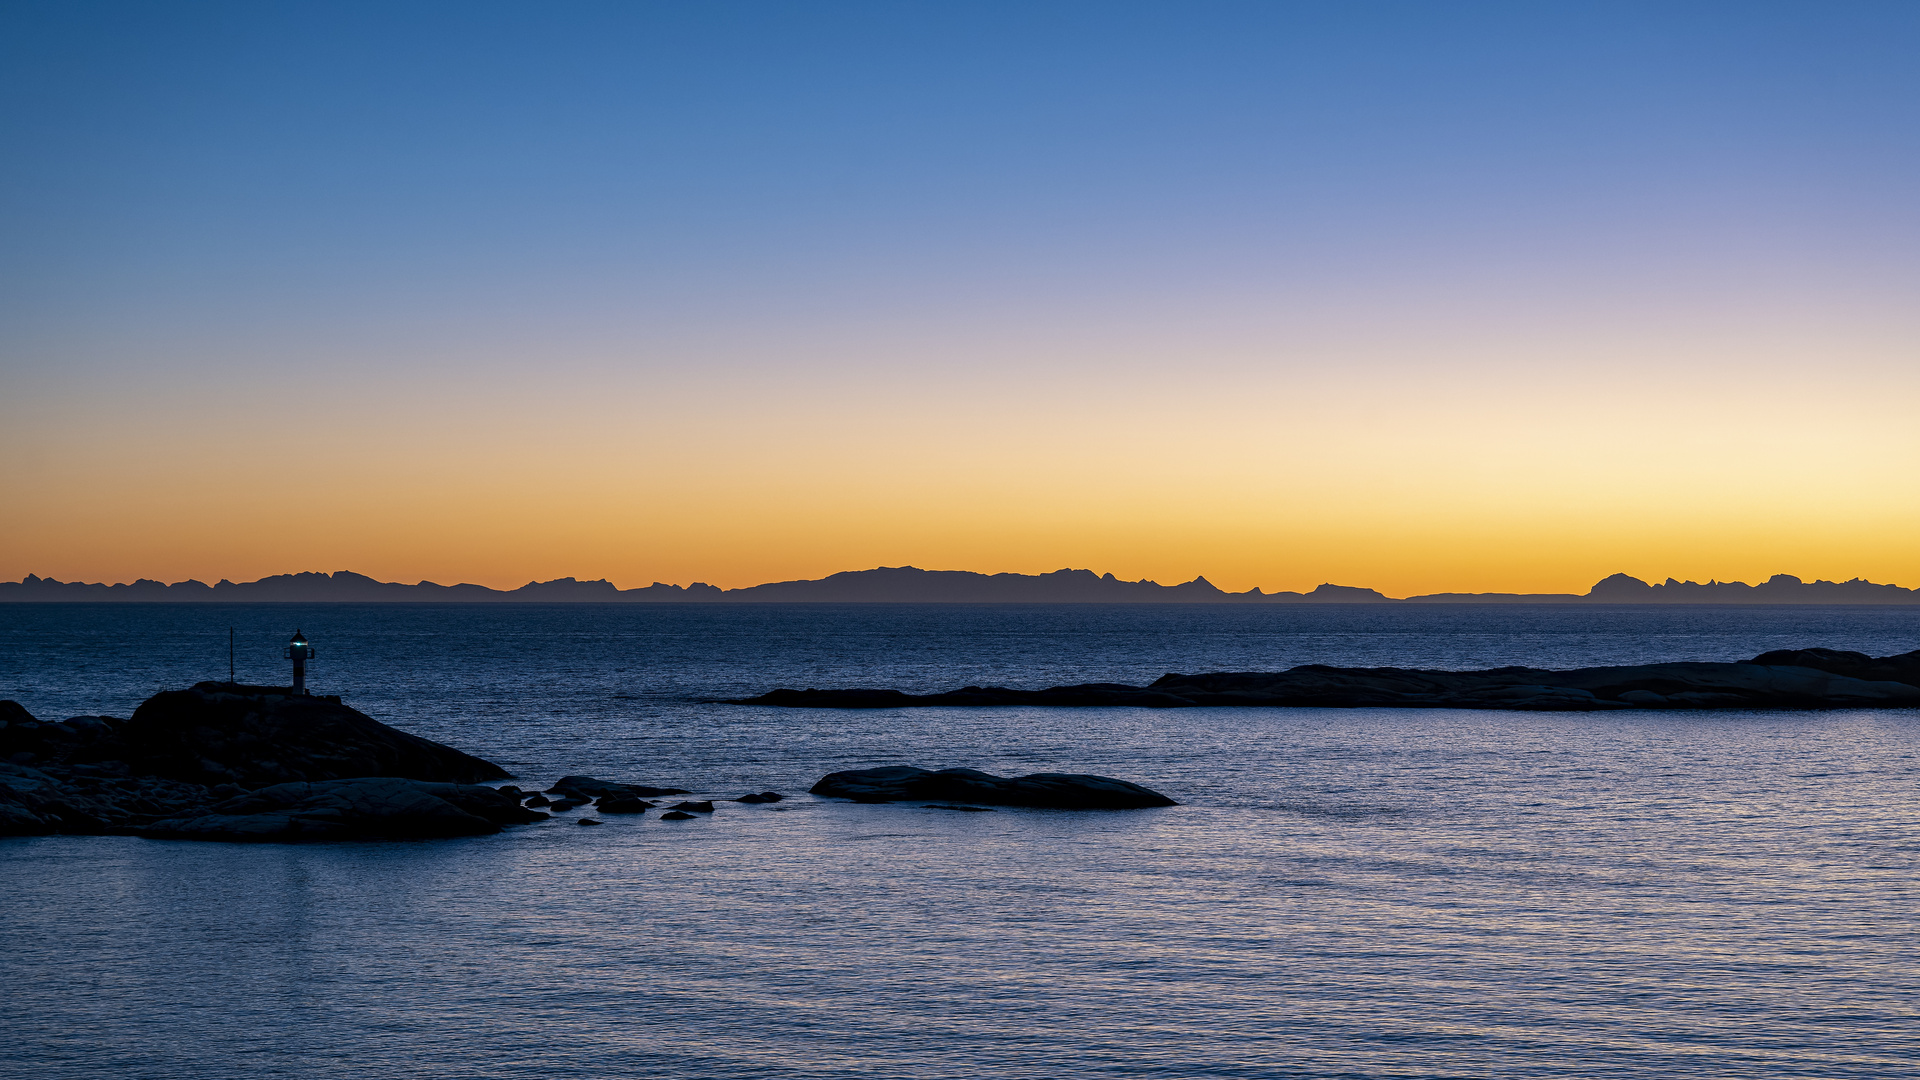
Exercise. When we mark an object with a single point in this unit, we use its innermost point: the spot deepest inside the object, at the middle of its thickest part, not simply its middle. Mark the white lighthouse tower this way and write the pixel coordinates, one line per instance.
(299, 652)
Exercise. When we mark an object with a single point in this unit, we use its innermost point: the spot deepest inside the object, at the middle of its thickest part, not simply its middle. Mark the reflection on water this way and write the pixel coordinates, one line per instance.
(1352, 893)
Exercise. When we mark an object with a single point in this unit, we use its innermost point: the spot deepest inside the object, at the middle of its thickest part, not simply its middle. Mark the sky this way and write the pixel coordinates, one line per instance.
(1424, 297)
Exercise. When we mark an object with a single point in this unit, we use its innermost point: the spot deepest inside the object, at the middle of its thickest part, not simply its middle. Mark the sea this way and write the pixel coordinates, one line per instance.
(1341, 893)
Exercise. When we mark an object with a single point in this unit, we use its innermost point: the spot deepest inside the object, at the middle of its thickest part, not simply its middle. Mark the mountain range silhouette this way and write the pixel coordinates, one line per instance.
(907, 584)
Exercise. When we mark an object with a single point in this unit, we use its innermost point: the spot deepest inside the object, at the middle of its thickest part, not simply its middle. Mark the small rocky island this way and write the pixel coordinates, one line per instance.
(1785, 679)
(1052, 791)
(230, 761)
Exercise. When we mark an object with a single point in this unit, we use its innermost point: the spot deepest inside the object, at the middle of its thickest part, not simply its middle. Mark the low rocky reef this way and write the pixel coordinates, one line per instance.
(1785, 679)
(1054, 791)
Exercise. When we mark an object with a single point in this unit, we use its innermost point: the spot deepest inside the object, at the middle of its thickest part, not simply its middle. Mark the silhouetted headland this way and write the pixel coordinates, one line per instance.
(911, 585)
(1786, 679)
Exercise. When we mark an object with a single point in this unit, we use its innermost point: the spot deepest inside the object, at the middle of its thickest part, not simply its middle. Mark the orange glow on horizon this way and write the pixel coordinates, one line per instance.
(1496, 477)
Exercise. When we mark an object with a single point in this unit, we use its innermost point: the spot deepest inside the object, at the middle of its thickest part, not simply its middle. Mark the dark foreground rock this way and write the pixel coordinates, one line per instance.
(1060, 791)
(1799, 679)
(364, 808)
(186, 755)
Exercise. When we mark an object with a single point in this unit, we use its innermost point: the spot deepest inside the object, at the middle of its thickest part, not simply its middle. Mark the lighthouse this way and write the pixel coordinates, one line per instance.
(299, 652)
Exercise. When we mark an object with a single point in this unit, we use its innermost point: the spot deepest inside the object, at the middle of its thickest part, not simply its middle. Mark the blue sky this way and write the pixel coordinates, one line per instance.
(874, 207)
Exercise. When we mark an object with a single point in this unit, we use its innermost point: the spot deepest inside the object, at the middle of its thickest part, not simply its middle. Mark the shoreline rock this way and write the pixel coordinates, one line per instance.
(1796, 679)
(363, 808)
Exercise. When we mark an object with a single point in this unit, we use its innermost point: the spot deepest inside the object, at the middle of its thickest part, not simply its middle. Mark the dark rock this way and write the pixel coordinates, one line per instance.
(703, 807)
(675, 815)
(561, 806)
(1798, 679)
(968, 809)
(763, 797)
(36, 802)
(538, 800)
(381, 807)
(622, 804)
(184, 764)
(588, 821)
(258, 736)
(1064, 791)
(585, 788)
(1904, 668)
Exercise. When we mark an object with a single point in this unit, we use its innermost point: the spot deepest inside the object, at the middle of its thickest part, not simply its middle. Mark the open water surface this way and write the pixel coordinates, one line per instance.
(1343, 893)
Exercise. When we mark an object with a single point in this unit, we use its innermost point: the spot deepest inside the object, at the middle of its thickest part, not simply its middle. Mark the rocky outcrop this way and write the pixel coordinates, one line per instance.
(186, 755)
(1904, 668)
(1059, 791)
(260, 735)
(1804, 679)
(380, 807)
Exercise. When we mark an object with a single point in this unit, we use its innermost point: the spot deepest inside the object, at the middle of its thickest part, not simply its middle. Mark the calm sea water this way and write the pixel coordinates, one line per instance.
(1344, 893)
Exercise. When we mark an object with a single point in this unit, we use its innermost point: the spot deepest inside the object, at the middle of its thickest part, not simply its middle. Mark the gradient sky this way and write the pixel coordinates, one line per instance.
(1420, 296)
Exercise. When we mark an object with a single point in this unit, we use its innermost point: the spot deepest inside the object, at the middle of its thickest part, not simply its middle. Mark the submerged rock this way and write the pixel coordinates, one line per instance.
(676, 815)
(762, 797)
(705, 806)
(1061, 791)
(622, 804)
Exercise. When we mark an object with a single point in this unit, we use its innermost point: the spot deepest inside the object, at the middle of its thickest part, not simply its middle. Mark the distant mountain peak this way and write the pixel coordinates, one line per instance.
(911, 584)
